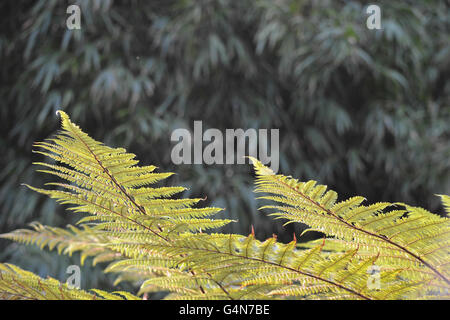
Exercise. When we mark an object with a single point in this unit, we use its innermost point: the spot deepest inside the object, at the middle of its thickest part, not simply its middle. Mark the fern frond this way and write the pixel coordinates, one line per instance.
(238, 267)
(96, 243)
(19, 284)
(107, 183)
(86, 240)
(412, 239)
(445, 202)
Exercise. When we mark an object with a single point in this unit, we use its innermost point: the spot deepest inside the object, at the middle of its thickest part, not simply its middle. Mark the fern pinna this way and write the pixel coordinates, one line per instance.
(147, 236)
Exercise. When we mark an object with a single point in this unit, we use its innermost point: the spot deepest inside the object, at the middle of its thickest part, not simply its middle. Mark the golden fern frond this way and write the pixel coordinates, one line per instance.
(107, 183)
(405, 237)
(88, 241)
(19, 284)
(94, 242)
(221, 266)
(445, 202)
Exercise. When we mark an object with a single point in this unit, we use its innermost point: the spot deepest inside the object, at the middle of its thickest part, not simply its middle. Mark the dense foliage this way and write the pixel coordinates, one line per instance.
(364, 111)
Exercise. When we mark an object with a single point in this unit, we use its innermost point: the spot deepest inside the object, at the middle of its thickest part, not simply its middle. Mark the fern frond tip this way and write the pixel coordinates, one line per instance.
(260, 168)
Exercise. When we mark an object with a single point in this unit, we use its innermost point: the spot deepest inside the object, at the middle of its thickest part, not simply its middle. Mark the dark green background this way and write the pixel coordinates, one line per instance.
(366, 112)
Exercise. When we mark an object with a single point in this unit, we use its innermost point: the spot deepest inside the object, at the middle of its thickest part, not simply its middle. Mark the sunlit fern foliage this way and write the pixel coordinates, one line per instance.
(164, 243)
(18, 284)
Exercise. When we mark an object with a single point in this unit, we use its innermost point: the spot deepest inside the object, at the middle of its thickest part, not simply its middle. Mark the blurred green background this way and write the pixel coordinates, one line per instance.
(366, 112)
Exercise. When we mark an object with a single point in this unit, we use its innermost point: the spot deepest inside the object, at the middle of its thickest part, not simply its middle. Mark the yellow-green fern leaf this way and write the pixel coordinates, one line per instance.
(19, 284)
(405, 237)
